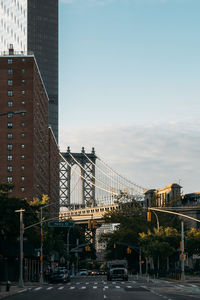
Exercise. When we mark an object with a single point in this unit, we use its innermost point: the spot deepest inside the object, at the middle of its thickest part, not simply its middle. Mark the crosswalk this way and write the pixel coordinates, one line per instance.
(104, 285)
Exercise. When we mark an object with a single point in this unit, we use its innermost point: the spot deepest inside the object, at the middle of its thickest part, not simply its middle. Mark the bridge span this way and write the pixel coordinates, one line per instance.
(85, 214)
(82, 215)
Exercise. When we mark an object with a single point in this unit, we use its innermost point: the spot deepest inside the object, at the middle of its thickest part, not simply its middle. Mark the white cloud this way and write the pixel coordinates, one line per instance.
(152, 156)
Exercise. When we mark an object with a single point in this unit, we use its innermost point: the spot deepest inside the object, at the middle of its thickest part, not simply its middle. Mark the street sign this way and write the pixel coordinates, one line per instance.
(61, 224)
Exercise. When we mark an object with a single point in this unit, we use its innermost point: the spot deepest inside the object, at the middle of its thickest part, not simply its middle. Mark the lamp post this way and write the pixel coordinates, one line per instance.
(21, 255)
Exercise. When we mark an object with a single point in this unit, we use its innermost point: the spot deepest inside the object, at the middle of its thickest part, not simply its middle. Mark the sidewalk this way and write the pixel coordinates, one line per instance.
(14, 289)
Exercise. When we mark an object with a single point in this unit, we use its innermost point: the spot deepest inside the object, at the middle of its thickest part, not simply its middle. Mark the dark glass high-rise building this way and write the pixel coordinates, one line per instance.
(32, 25)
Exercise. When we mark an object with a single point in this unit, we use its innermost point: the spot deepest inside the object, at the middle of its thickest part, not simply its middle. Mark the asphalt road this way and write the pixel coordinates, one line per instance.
(97, 288)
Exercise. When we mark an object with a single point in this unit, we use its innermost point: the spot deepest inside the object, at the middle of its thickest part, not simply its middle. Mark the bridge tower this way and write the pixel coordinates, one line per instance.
(87, 176)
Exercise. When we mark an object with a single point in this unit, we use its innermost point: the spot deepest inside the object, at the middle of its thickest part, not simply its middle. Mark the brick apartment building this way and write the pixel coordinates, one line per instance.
(29, 155)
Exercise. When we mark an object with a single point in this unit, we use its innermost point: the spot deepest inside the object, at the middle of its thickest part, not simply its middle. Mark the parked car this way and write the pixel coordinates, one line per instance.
(60, 275)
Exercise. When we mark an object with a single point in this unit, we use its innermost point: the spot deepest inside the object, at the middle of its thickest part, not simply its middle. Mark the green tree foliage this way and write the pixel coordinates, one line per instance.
(132, 220)
(192, 243)
(162, 243)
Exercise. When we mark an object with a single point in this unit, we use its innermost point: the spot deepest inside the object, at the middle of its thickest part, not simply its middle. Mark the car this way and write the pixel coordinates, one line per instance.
(60, 275)
(83, 272)
(117, 273)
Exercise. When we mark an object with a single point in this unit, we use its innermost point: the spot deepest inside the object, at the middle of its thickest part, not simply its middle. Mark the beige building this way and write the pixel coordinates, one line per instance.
(169, 195)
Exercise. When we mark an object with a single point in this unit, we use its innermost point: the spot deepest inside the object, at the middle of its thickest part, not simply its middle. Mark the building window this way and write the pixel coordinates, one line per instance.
(23, 124)
(23, 71)
(23, 81)
(22, 189)
(10, 147)
(22, 168)
(10, 168)
(23, 102)
(10, 82)
(10, 136)
(23, 178)
(10, 103)
(10, 61)
(23, 92)
(10, 71)
(23, 157)
(10, 125)
(22, 135)
(22, 146)
(10, 179)
(10, 93)
(10, 115)
(10, 157)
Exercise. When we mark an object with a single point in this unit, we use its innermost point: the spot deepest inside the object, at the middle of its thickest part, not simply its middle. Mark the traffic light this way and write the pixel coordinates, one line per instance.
(128, 251)
(148, 216)
(114, 246)
(92, 224)
(87, 248)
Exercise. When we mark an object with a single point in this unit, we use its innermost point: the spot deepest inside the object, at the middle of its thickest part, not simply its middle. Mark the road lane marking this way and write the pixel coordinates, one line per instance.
(61, 288)
(104, 296)
(87, 283)
(38, 288)
(118, 287)
(83, 287)
(129, 286)
(72, 287)
(49, 288)
(94, 287)
(194, 285)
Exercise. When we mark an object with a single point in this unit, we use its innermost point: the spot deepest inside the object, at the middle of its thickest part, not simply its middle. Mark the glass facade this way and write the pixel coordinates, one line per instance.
(13, 24)
(32, 25)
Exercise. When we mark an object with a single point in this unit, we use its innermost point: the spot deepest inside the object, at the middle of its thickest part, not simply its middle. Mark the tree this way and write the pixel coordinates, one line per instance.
(161, 245)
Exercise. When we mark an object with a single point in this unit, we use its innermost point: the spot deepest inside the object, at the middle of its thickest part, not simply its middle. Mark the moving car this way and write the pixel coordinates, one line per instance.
(83, 272)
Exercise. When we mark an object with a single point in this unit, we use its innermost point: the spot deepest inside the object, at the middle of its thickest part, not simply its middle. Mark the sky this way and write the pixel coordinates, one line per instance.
(129, 78)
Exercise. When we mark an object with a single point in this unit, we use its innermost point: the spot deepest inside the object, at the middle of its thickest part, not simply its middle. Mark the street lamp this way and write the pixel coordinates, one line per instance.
(21, 256)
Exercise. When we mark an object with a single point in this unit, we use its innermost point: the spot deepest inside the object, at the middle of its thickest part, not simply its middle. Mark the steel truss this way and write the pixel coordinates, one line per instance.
(87, 179)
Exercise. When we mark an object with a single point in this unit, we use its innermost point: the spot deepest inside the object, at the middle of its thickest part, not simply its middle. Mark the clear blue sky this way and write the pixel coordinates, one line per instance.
(129, 85)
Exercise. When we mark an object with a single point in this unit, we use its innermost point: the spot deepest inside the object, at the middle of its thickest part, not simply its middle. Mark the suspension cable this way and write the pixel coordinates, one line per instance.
(107, 174)
(90, 175)
(124, 178)
(89, 182)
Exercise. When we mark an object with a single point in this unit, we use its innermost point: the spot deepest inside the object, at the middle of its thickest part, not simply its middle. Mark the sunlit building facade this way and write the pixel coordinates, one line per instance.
(32, 26)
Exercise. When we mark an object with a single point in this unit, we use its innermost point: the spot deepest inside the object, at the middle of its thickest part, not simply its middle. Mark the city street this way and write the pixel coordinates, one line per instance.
(97, 287)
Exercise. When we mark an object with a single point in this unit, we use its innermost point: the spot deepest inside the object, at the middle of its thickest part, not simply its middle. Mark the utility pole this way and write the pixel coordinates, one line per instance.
(41, 248)
(140, 260)
(182, 253)
(68, 248)
(77, 244)
(21, 254)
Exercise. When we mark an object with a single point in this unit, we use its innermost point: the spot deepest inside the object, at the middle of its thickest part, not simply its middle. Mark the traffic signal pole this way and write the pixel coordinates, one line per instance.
(182, 253)
(182, 234)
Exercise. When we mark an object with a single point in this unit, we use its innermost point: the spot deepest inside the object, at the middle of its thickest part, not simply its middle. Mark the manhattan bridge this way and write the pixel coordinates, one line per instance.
(89, 186)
